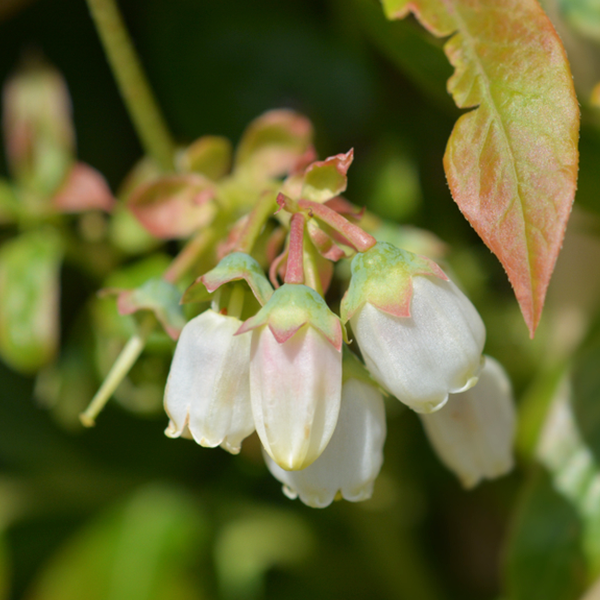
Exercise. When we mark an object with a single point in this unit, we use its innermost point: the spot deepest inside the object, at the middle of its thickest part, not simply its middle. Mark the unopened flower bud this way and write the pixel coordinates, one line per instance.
(39, 135)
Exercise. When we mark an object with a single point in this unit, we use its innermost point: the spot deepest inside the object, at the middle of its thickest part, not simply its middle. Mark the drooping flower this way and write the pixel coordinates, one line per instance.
(420, 336)
(295, 375)
(473, 434)
(352, 459)
(208, 389)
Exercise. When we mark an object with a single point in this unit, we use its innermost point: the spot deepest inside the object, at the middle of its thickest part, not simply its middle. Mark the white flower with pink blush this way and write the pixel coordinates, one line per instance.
(473, 434)
(295, 375)
(420, 336)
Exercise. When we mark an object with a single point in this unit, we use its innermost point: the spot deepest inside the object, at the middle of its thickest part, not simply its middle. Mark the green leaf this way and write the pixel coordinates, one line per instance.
(582, 15)
(247, 547)
(586, 398)
(108, 323)
(563, 450)
(127, 234)
(511, 163)
(159, 296)
(233, 267)
(209, 155)
(5, 569)
(544, 561)
(141, 550)
(9, 205)
(29, 292)
(533, 409)
(395, 192)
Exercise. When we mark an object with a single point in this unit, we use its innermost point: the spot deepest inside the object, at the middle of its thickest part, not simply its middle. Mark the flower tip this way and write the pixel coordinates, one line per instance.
(359, 495)
(290, 461)
(246, 326)
(500, 468)
(346, 160)
(86, 420)
(231, 448)
(289, 492)
(471, 382)
(172, 430)
(283, 334)
(470, 482)
(429, 406)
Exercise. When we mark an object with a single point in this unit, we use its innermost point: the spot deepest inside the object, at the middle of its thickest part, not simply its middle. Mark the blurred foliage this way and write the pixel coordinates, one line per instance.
(120, 511)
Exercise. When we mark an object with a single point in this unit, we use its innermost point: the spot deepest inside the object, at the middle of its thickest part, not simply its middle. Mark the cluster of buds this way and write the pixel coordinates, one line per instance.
(270, 356)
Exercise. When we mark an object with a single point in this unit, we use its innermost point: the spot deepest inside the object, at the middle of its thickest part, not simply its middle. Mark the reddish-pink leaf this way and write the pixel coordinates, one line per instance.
(511, 163)
(276, 143)
(83, 189)
(174, 206)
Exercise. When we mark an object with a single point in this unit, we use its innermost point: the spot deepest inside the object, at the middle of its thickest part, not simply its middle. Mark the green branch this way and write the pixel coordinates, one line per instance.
(134, 87)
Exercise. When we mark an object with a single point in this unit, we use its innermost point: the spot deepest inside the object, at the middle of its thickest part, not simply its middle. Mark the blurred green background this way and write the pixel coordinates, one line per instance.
(120, 512)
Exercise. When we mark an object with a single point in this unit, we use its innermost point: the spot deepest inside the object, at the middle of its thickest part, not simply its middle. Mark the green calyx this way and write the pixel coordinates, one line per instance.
(383, 276)
(291, 307)
(234, 267)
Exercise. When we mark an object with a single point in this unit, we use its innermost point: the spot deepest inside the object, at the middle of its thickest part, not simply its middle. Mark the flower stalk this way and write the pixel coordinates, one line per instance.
(188, 256)
(263, 209)
(360, 239)
(127, 69)
(294, 272)
(129, 355)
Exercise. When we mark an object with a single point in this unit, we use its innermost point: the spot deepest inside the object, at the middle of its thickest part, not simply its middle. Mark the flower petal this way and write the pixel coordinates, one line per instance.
(208, 389)
(435, 351)
(473, 435)
(295, 388)
(353, 457)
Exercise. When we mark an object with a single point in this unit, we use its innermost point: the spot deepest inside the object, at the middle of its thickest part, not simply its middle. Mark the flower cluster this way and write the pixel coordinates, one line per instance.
(320, 417)
(272, 357)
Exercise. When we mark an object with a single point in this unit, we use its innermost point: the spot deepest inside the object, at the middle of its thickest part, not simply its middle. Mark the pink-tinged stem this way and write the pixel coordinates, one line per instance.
(274, 268)
(360, 239)
(275, 243)
(263, 209)
(287, 203)
(294, 272)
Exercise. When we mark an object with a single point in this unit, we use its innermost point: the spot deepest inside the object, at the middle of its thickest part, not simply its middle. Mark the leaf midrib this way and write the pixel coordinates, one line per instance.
(487, 94)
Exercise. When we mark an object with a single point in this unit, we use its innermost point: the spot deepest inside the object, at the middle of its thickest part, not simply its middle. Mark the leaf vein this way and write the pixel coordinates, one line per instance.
(468, 40)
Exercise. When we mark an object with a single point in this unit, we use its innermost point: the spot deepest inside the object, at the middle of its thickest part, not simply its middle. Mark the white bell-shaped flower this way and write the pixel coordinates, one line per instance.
(420, 336)
(295, 375)
(208, 389)
(353, 458)
(473, 434)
